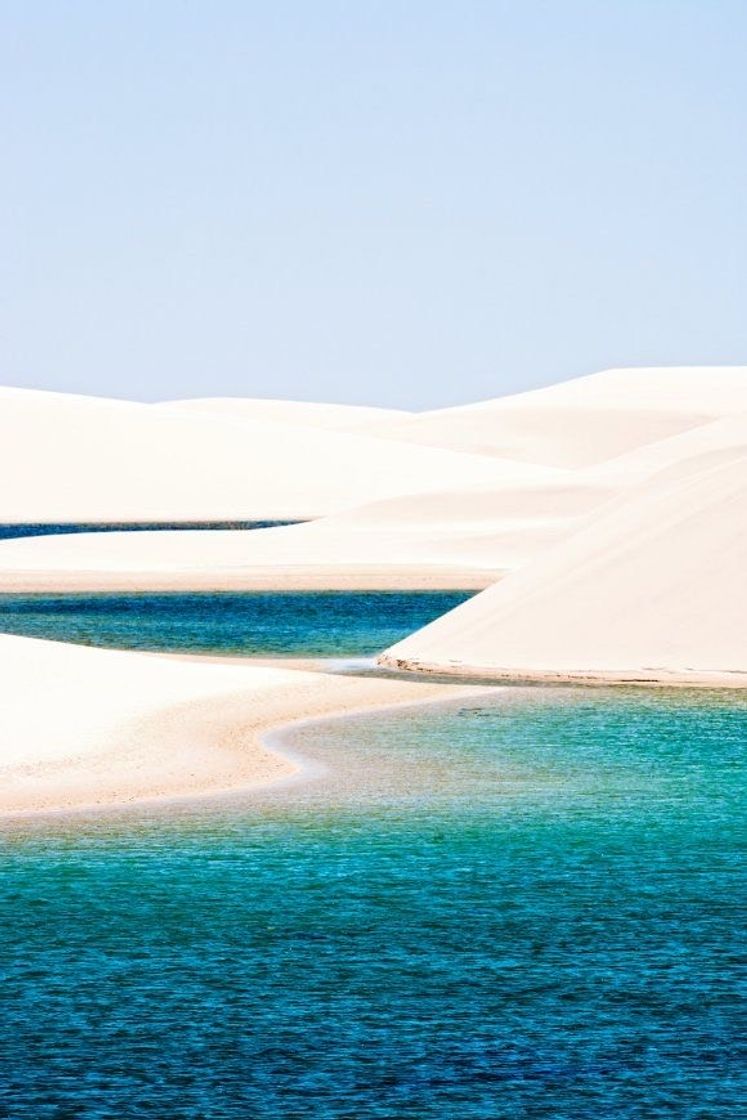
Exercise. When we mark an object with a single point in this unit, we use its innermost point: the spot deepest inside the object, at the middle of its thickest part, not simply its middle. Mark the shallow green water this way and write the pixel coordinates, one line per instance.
(530, 905)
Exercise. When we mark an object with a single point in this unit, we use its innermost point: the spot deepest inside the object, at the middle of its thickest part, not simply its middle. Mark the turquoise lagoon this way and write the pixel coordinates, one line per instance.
(253, 623)
(526, 905)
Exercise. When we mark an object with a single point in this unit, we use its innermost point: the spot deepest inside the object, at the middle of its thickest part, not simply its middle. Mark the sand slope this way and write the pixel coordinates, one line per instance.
(672, 458)
(652, 589)
(81, 458)
(587, 420)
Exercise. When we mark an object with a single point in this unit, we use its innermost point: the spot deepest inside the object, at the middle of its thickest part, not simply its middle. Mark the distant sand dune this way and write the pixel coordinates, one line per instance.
(584, 421)
(87, 459)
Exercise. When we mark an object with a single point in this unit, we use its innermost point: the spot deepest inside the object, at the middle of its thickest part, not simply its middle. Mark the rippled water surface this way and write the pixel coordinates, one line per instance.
(530, 905)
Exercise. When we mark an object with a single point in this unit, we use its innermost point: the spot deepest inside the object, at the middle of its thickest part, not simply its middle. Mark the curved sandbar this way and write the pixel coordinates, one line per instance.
(85, 728)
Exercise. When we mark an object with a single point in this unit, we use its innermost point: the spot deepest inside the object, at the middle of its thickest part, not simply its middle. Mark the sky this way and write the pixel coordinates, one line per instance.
(412, 203)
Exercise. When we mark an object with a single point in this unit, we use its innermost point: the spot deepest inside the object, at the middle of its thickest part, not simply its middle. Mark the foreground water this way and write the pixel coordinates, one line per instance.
(271, 623)
(528, 906)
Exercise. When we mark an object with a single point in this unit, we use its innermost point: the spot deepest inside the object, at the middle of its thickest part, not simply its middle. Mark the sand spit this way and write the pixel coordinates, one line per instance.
(652, 590)
(84, 728)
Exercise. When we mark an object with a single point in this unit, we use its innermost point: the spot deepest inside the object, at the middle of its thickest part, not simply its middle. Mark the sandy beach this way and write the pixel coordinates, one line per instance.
(86, 728)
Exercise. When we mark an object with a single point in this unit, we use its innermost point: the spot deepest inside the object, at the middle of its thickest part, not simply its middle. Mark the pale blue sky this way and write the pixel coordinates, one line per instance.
(401, 203)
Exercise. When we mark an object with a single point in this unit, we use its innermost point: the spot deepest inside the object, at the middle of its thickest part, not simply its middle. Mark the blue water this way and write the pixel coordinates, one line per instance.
(278, 624)
(10, 531)
(530, 905)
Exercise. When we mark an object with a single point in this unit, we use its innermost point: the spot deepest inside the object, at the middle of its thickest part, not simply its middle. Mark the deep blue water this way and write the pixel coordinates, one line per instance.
(57, 528)
(295, 623)
(530, 905)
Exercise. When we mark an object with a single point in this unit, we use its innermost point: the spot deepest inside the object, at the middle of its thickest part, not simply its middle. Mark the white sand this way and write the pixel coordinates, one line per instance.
(146, 466)
(676, 457)
(88, 459)
(586, 420)
(464, 538)
(83, 727)
(461, 533)
(652, 589)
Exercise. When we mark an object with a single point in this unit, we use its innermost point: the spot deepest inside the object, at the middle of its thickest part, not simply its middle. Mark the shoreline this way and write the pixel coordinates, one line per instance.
(279, 579)
(201, 748)
(644, 678)
(219, 743)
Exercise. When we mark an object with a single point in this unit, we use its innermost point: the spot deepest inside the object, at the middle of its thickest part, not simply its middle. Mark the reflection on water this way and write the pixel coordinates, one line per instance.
(523, 906)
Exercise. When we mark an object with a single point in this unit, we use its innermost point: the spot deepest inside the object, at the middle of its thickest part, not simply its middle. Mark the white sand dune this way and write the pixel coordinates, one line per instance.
(83, 727)
(672, 458)
(652, 589)
(70, 458)
(465, 538)
(475, 530)
(307, 414)
(465, 531)
(584, 421)
(468, 537)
